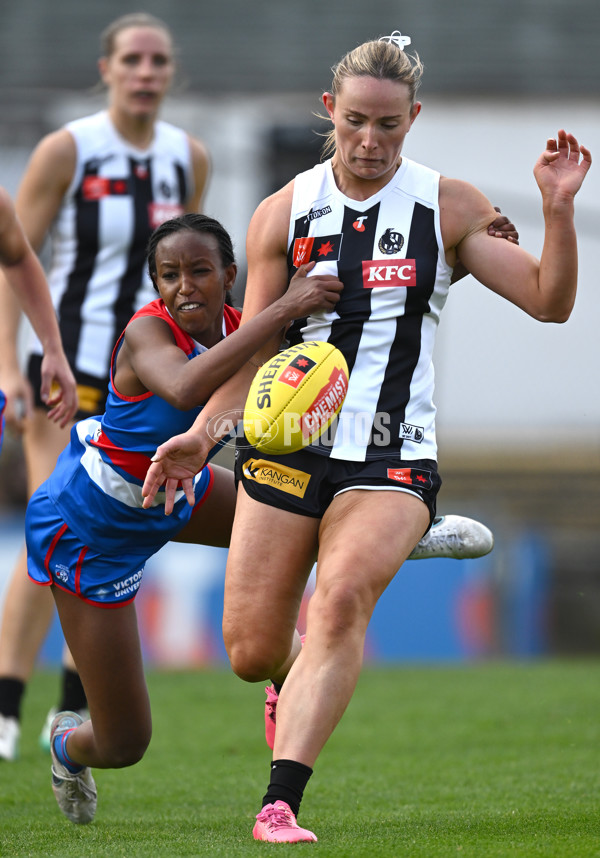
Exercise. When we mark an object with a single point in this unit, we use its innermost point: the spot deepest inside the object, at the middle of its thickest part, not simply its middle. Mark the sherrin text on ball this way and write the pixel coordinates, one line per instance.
(295, 397)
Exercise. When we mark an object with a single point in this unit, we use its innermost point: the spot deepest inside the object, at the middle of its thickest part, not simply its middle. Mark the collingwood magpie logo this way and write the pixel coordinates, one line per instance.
(391, 241)
(316, 213)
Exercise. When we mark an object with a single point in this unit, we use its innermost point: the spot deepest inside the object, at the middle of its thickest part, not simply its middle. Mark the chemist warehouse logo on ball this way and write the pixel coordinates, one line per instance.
(277, 476)
(398, 272)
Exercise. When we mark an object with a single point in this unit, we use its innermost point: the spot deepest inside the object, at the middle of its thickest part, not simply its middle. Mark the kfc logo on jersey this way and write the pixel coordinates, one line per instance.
(377, 272)
(158, 213)
(324, 248)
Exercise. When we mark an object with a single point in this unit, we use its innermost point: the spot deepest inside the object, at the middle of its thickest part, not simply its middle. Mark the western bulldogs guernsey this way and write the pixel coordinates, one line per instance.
(117, 196)
(388, 252)
(103, 468)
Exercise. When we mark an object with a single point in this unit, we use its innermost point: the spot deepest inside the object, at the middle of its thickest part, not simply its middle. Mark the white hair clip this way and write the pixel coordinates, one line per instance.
(398, 39)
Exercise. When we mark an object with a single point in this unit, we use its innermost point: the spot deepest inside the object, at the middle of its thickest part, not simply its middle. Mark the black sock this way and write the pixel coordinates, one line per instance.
(73, 696)
(11, 693)
(288, 780)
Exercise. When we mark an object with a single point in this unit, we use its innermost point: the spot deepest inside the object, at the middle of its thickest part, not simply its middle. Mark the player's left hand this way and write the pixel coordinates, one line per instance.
(502, 227)
(175, 463)
(562, 167)
(58, 389)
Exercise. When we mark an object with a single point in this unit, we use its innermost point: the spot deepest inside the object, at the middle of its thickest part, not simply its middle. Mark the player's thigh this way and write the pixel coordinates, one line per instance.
(364, 538)
(212, 520)
(270, 557)
(43, 442)
(106, 649)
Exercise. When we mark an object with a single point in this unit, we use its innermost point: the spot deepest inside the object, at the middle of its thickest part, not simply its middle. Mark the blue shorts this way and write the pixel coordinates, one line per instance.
(306, 483)
(55, 555)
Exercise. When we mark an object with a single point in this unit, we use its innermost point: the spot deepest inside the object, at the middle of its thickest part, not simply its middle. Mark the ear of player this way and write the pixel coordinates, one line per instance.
(295, 397)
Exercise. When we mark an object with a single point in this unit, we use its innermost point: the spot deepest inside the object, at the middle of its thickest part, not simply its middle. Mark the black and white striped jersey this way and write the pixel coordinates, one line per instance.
(388, 252)
(117, 196)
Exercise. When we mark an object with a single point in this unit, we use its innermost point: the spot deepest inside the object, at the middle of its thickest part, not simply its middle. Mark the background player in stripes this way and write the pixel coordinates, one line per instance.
(97, 188)
(380, 497)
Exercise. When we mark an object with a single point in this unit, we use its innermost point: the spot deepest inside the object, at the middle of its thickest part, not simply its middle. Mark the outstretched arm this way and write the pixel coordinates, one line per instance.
(24, 274)
(45, 181)
(544, 288)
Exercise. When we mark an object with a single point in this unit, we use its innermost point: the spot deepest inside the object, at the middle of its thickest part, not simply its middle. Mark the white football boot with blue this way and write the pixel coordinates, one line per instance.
(454, 536)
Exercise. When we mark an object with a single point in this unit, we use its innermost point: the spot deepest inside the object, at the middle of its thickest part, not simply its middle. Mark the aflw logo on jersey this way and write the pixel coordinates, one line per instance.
(322, 248)
(379, 272)
(94, 188)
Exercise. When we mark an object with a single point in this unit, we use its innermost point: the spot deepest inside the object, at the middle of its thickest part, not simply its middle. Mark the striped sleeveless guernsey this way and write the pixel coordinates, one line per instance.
(388, 252)
(117, 196)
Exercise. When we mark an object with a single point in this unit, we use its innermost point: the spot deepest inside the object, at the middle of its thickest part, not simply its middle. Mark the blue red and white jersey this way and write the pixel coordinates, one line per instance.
(98, 479)
(388, 252)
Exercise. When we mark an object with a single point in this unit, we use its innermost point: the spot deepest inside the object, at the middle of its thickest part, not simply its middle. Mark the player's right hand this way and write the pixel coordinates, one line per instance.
(310, 293)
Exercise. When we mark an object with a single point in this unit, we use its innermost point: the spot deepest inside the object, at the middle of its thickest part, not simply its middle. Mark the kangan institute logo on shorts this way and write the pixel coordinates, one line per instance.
(277, 476)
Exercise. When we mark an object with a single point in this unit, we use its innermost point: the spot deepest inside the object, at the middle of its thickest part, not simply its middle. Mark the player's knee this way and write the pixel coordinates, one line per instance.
(127, 749)
(250, 659)
(341, 609)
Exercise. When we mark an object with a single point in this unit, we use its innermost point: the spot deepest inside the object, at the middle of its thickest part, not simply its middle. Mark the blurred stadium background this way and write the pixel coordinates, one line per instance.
(519, 410)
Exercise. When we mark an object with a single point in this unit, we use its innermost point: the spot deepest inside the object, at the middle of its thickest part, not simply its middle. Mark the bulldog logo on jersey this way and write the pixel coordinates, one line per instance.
(378, 272)
(324, 248)
(391, 242)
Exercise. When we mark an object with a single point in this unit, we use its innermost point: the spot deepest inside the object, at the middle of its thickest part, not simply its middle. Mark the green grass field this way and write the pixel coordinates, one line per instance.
(479, 760)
